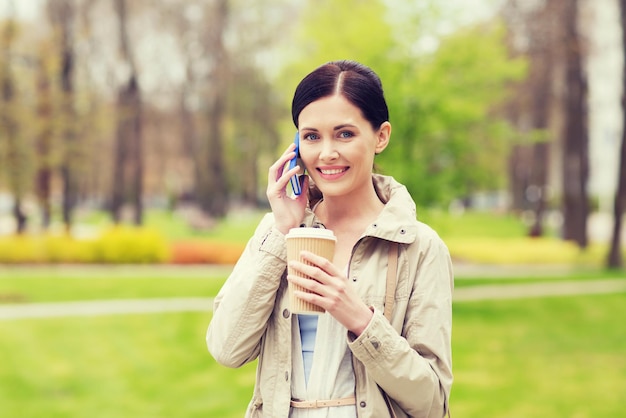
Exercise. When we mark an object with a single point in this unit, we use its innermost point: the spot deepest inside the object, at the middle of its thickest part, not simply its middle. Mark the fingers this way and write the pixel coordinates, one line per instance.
(322, 270)
(278, 178)
(278, 167)
(326, 290)
(320, 262)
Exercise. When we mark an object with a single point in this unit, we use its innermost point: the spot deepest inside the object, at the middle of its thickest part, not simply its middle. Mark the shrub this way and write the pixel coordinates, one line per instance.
(116, 245)
(124, 244)
(199, 252)
(20, 249)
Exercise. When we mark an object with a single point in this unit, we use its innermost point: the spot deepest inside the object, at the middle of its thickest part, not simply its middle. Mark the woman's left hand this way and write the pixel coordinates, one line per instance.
(332, 291)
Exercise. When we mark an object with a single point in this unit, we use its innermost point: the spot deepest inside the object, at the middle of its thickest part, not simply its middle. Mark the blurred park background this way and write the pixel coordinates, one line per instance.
(135, 138)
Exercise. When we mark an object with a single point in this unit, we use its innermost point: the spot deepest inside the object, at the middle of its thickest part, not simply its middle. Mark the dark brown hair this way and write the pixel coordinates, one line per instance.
(357, 83)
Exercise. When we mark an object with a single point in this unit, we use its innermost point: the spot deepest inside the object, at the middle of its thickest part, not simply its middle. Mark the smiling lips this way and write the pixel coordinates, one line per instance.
(332, 172)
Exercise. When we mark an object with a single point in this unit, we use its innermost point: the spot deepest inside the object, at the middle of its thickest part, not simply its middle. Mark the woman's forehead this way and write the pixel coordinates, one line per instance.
(333, 111)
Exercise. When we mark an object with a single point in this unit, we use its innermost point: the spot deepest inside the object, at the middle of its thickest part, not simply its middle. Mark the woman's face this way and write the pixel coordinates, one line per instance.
(337, 145)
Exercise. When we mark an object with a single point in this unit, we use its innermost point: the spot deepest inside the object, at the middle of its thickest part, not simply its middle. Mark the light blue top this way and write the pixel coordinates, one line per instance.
(308, 331)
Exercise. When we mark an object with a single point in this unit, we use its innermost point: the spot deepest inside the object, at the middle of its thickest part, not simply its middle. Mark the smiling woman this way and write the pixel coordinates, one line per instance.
(353, 359)
(338, 146)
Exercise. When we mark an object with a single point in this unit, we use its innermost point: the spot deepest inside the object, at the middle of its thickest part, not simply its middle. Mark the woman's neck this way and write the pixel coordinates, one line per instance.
(347, 212)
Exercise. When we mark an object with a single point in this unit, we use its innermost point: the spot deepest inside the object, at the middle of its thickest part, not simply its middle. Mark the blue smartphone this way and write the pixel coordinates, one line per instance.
(295, 180)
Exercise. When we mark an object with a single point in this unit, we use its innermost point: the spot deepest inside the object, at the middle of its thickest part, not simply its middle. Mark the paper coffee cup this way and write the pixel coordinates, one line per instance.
(319, 241)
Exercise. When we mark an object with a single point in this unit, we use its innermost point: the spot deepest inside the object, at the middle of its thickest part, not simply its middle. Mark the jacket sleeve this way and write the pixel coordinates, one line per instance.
(244, 304)
(415, 368)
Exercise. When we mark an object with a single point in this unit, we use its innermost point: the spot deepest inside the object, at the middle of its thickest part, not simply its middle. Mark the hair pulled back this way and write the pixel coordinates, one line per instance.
(359, 84)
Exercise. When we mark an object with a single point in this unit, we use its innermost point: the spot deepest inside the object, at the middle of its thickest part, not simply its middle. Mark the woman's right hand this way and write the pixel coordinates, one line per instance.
(288, 211)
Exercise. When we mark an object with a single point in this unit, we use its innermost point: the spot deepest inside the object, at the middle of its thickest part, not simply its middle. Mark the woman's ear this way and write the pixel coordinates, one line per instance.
(382, 137)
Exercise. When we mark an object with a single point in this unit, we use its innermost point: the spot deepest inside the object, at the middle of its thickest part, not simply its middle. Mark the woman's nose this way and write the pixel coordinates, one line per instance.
(328, 151)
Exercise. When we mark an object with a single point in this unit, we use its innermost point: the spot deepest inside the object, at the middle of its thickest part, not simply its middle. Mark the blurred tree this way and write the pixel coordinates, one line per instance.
(94, 106)
(211, 182)
(552, 102)
(254, 112)
(255, 107)
(61, 15)
(128, 157)
(186, 20)
(200, 28)
(533, 34)
(614, 259)
(575, 136)
(338, 29)
(45, 137)
(15, 158)
(226, 104)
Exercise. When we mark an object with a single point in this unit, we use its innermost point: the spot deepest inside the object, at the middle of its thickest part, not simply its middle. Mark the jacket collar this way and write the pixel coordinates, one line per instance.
(396, 222)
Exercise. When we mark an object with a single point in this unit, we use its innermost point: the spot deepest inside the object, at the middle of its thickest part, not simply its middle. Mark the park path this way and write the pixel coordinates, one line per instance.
(144, 306)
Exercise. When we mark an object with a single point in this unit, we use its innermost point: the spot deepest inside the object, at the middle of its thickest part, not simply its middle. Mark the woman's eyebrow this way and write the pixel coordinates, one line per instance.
(336, 128)
(342, 126)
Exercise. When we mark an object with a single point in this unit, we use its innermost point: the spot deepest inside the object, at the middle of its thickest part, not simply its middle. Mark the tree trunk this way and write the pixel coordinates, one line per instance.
(575, 140)
(119, 156)
(137, 155)
(61, 14)
(44, 146)
(128, 158)
(19, 215)
(537, 194)
(540, 186)
(615, 253)
(213, 191)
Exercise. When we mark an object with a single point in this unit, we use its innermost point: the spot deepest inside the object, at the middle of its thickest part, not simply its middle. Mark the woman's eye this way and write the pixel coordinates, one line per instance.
(346, 134)
(311, 137)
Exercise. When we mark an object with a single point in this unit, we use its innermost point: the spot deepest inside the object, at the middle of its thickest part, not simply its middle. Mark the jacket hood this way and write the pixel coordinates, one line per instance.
(396, 222)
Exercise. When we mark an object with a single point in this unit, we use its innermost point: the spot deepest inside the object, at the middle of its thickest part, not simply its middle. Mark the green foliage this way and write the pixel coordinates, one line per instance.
(16, 155)
(446, 141)
(344, 29)
(330, 30)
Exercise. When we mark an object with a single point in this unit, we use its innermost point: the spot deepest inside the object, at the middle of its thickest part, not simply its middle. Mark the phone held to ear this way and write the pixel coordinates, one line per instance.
(295, 180)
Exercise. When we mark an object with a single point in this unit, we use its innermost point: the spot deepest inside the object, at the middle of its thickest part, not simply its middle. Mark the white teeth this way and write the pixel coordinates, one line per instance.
(334, 171)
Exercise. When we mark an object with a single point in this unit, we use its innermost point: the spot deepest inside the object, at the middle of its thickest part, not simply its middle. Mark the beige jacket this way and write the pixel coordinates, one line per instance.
(410, 359)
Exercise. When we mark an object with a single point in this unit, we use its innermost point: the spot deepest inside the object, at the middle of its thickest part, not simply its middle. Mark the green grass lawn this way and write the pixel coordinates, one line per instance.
(54, 284)
(551, 357)
(236, 227)
(20, 285)
(119, 366)
(557, 357)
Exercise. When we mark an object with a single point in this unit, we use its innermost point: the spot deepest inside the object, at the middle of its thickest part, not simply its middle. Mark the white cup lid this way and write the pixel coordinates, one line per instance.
(311, 233)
